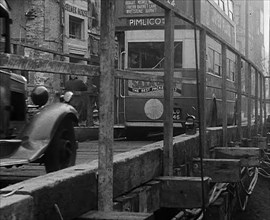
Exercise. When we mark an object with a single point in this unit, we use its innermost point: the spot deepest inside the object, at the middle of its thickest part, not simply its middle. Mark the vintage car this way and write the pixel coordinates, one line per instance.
(47, 136)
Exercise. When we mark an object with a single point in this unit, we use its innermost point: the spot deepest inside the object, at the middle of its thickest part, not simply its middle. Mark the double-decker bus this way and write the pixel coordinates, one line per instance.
(143, 100)
(140, 37)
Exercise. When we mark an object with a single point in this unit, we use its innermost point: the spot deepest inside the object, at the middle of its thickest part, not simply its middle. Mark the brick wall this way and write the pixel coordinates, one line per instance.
(43, 30)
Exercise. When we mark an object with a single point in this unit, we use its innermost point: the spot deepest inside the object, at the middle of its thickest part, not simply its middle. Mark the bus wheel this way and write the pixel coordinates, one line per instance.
(61, 153)
(214, 113)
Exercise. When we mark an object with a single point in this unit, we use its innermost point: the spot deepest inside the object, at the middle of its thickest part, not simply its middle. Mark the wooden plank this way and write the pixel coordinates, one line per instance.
(183, 192)
(16, 62)
(168, 94)
(136, 170)
(95, 215)
(260, 142)
(219, 170)
(246, 142)
(43, 49)
(131, 170)
(134, 75)
(249, 156)
(142, 199)
(106, 106)
(17, 207)
(127, 203)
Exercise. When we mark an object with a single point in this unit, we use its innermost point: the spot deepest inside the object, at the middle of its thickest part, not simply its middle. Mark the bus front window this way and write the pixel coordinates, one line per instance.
(150, 55)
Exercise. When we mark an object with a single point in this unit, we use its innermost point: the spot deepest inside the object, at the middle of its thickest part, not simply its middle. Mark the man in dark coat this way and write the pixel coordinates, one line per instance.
(77, 86)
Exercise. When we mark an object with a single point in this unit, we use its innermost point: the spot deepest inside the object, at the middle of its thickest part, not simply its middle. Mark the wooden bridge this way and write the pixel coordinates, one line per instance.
(139, 186)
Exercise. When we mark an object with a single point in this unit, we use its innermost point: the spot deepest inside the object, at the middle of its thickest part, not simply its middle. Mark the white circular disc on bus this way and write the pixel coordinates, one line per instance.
(153, 108)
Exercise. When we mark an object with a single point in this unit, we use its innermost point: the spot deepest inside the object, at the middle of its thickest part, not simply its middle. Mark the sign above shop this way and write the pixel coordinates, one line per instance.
(76, 10)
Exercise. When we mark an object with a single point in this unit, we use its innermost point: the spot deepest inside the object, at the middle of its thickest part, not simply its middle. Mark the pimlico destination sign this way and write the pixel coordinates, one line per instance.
(146, 21)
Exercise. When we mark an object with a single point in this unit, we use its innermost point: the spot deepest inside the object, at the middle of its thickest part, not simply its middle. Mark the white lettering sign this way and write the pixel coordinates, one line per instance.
(146, 21)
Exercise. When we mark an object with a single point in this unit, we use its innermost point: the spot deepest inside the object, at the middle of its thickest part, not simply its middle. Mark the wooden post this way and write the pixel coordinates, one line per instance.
(106, 108)
(261, 104)
(256, 101)
(249, 100)
(168, 94)
(264, 106)
(239, 98)
(201, 93)
(224, 93)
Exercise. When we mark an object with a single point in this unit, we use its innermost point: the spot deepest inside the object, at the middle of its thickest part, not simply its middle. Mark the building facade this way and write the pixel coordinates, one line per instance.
(249, 18)
(65, 26)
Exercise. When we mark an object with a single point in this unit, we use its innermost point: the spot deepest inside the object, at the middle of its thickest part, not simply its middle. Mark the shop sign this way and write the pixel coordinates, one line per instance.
(75, 10)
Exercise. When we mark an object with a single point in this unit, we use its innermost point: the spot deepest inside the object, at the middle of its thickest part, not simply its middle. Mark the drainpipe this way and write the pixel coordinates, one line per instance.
(62, 22)
(62, 32)
(247, 30)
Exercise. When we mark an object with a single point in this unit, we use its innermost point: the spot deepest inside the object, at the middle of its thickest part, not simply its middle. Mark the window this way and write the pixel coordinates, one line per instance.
(226, 7)
(261, 22)
(253, 81)
(151, 55)
(222, 5)
(210, 59)
(214, 62)
(230, 70)
(75, 27)
(217, 63)
(230, 5)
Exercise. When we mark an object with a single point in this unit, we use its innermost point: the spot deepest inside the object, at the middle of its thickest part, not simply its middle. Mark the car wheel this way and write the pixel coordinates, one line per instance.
(61, 153)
